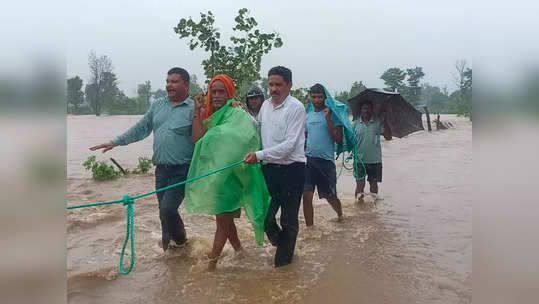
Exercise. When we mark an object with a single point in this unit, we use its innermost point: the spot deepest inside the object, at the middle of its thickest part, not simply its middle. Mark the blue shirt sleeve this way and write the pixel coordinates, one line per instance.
(142, 129)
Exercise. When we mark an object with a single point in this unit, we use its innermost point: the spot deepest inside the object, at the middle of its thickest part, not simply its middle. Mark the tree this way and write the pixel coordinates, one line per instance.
(412, 92)
(122, 105)
(393, 79)
(144, 92)
(160, 94)
(357, 87)
(459, 77)
(264, 85)
(110, 90)
(462, 98)
(241, 60)
(91, 97)
(75, 96)
(194, 87)
(301, 94)
(99, 67)
(342, 96)
(435, 98)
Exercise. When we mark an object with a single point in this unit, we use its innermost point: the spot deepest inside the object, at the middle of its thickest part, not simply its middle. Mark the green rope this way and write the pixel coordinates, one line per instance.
(129, 202)
(356, 159)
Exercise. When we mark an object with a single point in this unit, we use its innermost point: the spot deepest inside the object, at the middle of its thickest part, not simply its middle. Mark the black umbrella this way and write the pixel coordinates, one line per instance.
(402, 117)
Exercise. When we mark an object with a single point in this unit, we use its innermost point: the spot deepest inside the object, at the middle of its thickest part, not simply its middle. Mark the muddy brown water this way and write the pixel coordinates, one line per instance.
(413, 246)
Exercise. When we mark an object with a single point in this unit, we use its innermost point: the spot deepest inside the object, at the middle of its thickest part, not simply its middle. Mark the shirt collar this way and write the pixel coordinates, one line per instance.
(186, 101)
(362, 122)
(282, 103)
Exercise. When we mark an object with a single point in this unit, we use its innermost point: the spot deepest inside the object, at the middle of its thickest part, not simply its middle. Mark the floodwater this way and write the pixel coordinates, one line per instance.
(413, 246)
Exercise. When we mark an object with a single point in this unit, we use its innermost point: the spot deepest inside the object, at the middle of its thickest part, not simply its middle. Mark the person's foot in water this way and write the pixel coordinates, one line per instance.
(168, 243)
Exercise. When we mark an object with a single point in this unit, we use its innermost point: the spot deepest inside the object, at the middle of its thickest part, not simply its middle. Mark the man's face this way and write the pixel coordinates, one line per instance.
(319, 100)
(279, 89)
(254, 103)
(366, 111)
(176, 87)
(219, 94)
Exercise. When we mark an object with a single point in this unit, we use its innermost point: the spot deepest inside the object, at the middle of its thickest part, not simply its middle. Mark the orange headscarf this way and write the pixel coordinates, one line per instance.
(230, 88)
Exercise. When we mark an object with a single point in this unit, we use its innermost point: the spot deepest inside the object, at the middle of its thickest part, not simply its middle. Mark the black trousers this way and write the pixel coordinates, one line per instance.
(172, 226)
(285, 185)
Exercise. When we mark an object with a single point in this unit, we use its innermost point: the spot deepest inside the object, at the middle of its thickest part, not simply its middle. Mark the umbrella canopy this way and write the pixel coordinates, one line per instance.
(402, 117)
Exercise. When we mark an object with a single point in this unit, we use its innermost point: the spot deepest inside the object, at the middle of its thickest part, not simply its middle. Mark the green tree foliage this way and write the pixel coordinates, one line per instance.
(355, 89)
(194, 87)
(144, 92)
(160, 94)
(436, 99)
(393, 79)
(302, 94)
(110, 88)
(264, 86)
(412, 92)
(242, 59)
(462, 98)
(123, 105)
(75, 96)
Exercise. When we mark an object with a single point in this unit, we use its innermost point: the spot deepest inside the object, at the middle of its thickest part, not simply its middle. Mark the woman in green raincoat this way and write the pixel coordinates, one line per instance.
(223, 135)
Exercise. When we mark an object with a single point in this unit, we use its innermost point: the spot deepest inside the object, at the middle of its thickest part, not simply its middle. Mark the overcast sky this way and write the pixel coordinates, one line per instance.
(334, 43)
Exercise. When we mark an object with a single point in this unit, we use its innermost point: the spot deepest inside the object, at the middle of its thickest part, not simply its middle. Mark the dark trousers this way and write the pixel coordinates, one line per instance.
(169, 200)
(285, 185)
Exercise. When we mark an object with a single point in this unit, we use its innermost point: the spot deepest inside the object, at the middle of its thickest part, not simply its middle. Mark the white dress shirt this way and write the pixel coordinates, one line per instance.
(282, 129)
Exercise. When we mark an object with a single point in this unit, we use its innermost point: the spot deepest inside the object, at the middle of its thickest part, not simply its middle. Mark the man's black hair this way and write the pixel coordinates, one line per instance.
(317, 89)
(281, 71)
(182, 72)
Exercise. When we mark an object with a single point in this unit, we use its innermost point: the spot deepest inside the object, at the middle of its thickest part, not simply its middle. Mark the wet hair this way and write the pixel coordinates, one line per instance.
(281, 71)
(317, 89)
(182, 72)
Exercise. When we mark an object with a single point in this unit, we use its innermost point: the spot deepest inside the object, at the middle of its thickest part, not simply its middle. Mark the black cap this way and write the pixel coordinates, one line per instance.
(254, 92)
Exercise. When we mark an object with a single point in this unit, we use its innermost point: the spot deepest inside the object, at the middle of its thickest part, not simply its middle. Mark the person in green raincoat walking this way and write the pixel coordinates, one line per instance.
(224, 134)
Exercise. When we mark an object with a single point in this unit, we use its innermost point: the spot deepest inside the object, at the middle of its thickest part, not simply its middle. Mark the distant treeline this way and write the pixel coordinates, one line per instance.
(241, 59)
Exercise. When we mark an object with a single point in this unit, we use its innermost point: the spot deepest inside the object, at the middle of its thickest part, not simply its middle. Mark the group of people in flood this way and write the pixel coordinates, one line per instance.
(287, 150)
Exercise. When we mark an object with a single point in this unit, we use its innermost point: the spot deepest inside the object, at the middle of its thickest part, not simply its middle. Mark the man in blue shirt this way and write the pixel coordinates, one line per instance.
(322, 130)
(171, 120)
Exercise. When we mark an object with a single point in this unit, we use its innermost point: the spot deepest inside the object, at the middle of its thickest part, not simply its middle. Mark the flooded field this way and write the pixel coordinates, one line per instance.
(413, 246)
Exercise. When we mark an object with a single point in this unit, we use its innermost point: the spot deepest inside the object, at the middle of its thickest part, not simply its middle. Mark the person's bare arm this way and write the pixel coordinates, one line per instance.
(106, 146)
(335, 131)
(198, 127)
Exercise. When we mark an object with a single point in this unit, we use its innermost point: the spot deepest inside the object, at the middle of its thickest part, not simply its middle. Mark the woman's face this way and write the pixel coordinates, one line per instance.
(219, 95)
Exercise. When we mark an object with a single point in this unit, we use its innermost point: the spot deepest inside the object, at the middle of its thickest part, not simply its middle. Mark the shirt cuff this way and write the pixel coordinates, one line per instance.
(259, 155)
(118, 141)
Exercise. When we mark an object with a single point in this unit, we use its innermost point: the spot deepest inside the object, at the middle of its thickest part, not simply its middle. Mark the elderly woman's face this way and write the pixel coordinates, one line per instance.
(219, 94)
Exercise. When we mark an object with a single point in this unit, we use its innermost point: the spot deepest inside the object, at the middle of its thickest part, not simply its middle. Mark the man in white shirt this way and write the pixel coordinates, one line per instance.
(282, 128)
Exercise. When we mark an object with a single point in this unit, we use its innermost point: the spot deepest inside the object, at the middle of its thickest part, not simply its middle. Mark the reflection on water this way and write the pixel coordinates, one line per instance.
(413, 245)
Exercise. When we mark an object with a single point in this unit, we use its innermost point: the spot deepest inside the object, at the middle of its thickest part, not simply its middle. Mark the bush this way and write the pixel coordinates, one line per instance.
(100, 170)
(144, 165)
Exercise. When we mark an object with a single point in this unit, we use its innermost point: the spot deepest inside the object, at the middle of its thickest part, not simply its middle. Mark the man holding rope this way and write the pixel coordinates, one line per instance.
(282, 128)
(170, 119)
